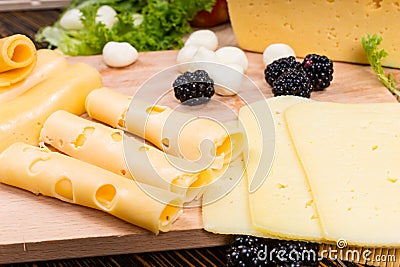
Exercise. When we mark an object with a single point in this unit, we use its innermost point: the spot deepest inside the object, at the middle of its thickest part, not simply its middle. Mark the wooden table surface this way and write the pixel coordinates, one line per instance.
(27, 22)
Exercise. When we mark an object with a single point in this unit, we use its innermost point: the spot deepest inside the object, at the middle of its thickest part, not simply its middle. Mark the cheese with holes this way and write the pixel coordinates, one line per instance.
(333, 28)
(112, 150)
(174, 132)
(49, 64)
(56, 175)
(22, 118)
(350, 153)
(284, 196)
(17, 58)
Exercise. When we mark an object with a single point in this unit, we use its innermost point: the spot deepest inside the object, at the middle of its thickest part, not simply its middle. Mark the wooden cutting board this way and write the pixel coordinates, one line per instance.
(36, 228)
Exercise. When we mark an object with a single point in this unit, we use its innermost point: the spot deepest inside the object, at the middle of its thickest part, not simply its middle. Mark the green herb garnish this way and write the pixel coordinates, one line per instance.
(375, 58)
(164, 24)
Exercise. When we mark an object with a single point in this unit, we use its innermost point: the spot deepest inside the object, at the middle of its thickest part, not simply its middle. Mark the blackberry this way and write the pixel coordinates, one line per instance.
(264, 252)
(247, 251)
(293, 82)
(295, 254)
(278, 67)
(319, 69)
(194, 88)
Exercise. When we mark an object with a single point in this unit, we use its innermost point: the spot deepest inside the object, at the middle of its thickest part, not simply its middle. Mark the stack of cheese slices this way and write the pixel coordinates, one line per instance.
(335, 175)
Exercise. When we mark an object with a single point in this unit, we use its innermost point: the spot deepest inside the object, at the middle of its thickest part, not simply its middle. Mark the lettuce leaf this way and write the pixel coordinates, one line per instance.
(164, 24)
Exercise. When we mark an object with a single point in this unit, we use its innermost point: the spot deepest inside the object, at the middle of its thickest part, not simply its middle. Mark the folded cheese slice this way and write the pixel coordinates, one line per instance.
(350, 153)
(117, 152)
(22, 118)
(283, 205)
(176, 133)
(17, 58)
(53, 174)
(49, 64)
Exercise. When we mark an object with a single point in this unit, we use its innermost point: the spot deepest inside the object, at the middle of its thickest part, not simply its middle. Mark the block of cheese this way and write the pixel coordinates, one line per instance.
(17, 58)
(350, 153)
(332, 28)
(117, 152)
(176, 133)
(283, 205)
(225, 203)
(56, 175)
(22, 118)
(49, 64)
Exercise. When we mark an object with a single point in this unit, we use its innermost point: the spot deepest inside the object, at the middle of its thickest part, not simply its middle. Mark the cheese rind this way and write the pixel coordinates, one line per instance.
(17, 58)
(22, 118)
(53, 174)
(335, 29)
(49, 64)
(349, 153)
(284, 196)
(115, 151)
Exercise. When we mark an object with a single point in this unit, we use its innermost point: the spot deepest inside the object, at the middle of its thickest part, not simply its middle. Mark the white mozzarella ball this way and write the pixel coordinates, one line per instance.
(227, 78)
(137, 19)
(232, 55)
(277, 51)
(186, 55)
(106, 15)
(71, 20)
(205, 38)
(202, 59)
(117, 54)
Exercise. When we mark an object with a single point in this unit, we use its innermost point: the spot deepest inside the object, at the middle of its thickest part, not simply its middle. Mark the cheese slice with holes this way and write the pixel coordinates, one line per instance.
(22, 118)
(174, 132)
(56, 175)
(49, 64)
(112, 150)
(350, 153)
(17, 58)
(283, 205)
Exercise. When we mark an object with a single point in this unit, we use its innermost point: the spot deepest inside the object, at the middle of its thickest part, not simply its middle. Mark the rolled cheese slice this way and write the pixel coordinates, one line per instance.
(104, 146)
(56, 175)
(22, 118)
(176, 133)
(17, 58)
(49, 64)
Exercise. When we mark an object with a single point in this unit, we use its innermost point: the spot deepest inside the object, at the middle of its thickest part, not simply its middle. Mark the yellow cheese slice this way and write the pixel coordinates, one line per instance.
(56, 175)
(350, 153)
(22, 118)
(161, 126)
(49, 64)
(225, 203)
(112, 150)
(283, 205)
(17, 58)
(335, 29)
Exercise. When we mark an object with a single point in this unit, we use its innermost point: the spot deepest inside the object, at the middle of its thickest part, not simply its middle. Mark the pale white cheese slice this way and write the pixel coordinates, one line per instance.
(283, 205)
(351, 154)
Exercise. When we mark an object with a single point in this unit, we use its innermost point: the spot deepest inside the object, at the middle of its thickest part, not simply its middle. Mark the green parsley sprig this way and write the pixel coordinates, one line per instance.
(375, 57)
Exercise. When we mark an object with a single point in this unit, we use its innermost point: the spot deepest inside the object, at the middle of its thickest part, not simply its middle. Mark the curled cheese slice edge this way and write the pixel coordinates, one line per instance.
(56, 175)
(18, 57)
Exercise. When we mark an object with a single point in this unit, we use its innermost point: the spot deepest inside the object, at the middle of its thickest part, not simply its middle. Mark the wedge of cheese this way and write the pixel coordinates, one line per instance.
(22, 118)
(17, 59)
(333, 28)
(197, 139)
(56, 175)
(49, 64)
(225, 203)
(112, 150)
(350, 153)
(283, 205)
